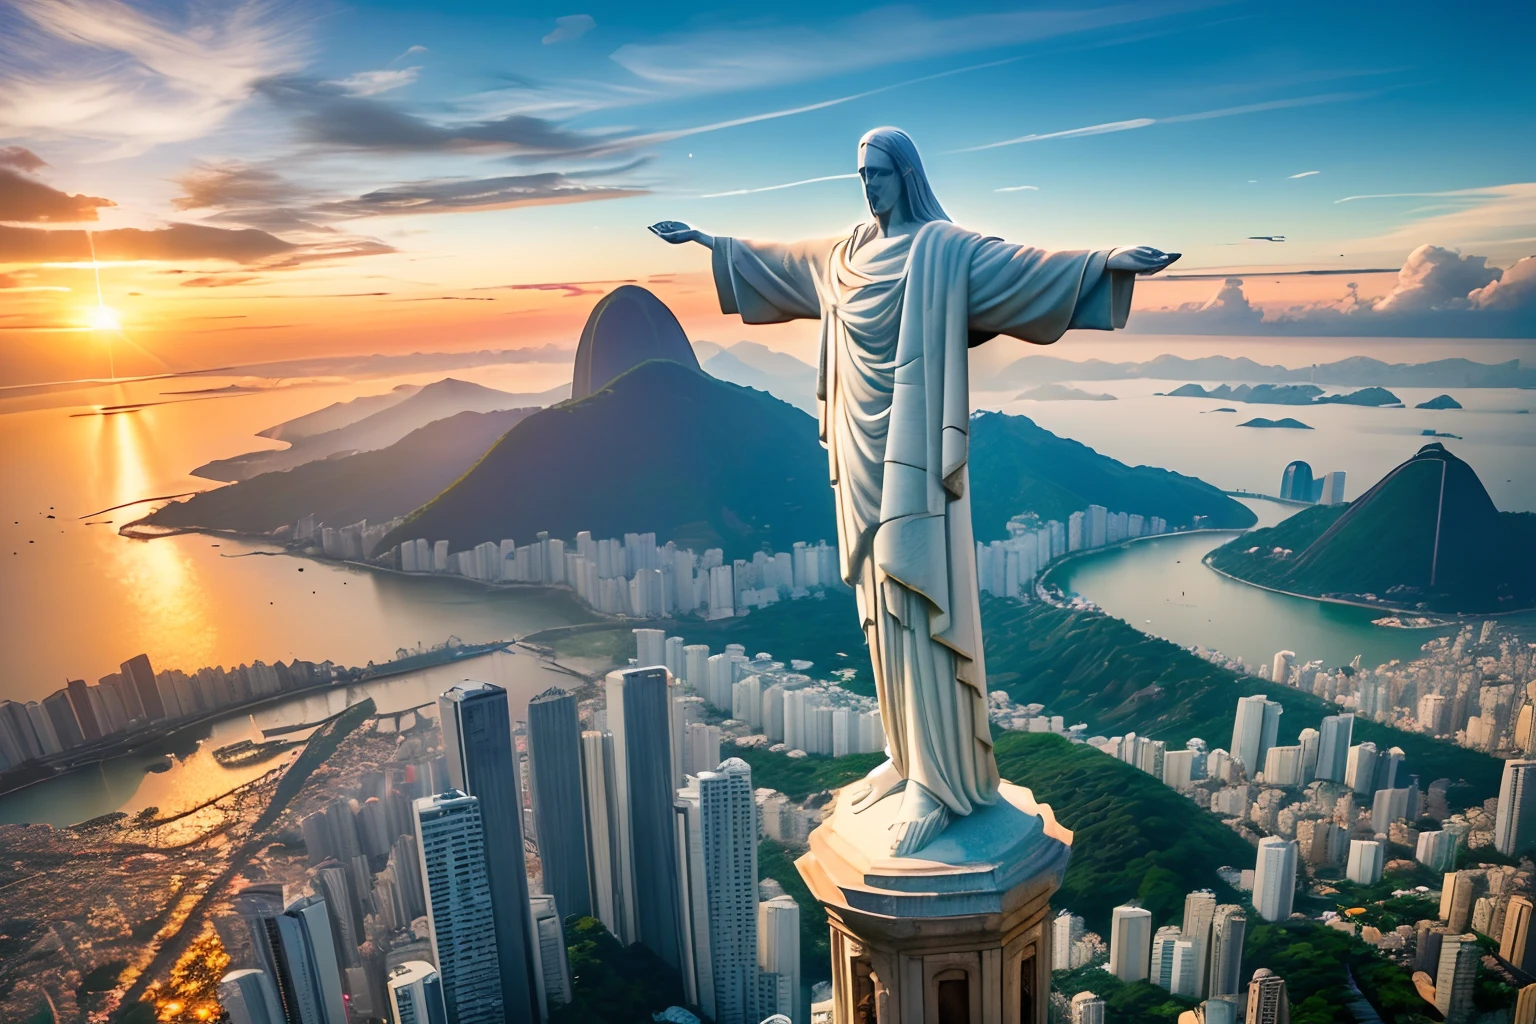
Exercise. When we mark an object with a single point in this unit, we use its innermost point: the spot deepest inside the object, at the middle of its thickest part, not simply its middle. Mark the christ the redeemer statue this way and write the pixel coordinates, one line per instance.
(901, 298)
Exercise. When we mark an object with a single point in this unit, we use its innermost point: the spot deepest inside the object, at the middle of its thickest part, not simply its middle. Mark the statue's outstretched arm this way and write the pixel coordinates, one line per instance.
(676, 232)
(1141, 259)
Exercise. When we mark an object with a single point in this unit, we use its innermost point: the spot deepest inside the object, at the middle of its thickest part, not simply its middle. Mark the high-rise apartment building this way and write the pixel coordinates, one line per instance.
(1456, 977)
(248, 997)
(1267, 1000)
(477, 740)
(554, 963)
(1163, 942)
(1366, 860)
(1087, 1008)
(554, 775)
(607, 863)
(1514, 944)
(1130, 942)
(1514, 830)
(717, 849)
(778, 957)
(140, 677)
(639, 716)
(303, 946)
(416, 994)
(1254, 731)
(1274, 878)
(1336, 734)
(461, 910)
(1199, 912)
(1224, 964)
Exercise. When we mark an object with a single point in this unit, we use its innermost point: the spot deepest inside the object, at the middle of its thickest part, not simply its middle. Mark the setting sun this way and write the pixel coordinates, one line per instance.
(105, 318)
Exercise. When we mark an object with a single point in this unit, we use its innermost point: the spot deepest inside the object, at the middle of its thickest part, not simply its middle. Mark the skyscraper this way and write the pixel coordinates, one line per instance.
(1360, 772)
(778, 955)
(1163, 943)
(248, 997)
(140, 678)
(1296, 482)
(606, 863)
(461, 910)
(1333, 747)
(1514, 829)
(477, 738)
(1456, 976)
(1514, 944)
(1254, 731)
(1066, 930)
(308, 978)
(554, 769)
(1130, 942)
(639, 715)
(1224, 970)
(554, 963)
(1199, 912)
(1280, 671)
(1333, 487)
(717, 846)
(1274, 878)
(1267, 1000)
(416, 994)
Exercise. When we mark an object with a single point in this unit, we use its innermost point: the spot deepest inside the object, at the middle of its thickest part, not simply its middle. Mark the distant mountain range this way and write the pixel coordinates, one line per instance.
(1426, 536)
(757, 366)
(367, 424)
(1356, 371)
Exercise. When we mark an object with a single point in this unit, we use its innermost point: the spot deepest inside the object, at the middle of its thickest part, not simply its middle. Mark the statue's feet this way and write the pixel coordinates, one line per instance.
(876, 786)
(919, 820)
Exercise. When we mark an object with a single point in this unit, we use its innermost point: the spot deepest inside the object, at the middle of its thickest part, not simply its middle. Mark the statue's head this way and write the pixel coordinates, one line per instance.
(893, 176)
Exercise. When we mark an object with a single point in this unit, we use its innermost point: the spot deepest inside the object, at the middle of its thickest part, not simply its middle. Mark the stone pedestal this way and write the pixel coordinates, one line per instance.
(953, 935)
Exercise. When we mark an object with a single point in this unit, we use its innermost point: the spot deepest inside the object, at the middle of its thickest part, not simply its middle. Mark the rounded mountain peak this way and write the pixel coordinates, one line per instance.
(628, 326)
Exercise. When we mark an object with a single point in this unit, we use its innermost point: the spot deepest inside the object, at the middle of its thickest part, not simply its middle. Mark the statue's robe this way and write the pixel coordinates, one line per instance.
(897, 318)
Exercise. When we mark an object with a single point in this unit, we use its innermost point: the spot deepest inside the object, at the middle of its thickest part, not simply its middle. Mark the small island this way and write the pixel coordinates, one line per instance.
(1286, 423)
(1061, 393)
(1439, 402)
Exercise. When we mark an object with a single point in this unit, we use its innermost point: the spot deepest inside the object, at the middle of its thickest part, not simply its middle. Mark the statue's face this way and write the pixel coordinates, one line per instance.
(882, 182)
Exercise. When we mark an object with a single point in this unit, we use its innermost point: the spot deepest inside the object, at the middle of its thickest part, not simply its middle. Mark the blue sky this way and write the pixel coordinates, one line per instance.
(335, 149)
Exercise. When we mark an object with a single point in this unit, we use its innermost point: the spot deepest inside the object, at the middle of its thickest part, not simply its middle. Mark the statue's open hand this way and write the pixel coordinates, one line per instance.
(1142, 259)
(676, 232)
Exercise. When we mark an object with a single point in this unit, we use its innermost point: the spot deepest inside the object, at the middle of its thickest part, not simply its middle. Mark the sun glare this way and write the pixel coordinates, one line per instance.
(105, 318)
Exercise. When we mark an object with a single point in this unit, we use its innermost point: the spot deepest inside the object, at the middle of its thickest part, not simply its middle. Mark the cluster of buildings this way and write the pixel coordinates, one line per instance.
(1298, 484)
(419, 882)
(136, 697)
(764, 703)
(635, 576)
(1477, 689)
(1007, 568)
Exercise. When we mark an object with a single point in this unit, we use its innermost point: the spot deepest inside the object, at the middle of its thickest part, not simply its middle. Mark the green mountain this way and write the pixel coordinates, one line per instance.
(377, 485)
(1426, 536)
(1285, 423)
(662, 448)
(1018, 466)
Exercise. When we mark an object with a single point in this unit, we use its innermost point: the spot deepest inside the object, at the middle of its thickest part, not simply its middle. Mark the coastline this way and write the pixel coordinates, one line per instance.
(1382, 606)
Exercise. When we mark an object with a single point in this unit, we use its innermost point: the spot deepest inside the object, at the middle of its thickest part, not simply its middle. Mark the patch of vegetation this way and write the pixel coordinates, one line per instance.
(610, 982)
(1133, 837)
(616, 644)
(1317, 963)
(799, 777)
(824, 631)
(1124, 1002)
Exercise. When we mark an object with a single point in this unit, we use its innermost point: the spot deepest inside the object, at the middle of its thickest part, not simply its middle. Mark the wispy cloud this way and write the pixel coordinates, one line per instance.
(1018, 188)
(478, 194)
(775, 188)
(103, 69)
(572, 26)
(1147, 122)
(1466, 193)
(745, 57)
(1499, 217)
(24, 199)
(371, 83)
(1303, 174)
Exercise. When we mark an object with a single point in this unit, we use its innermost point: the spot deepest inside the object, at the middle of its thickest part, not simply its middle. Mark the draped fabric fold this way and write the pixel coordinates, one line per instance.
(897, 318)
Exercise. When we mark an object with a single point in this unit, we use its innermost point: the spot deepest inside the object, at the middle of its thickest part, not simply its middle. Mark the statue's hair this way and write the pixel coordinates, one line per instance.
(898, 145)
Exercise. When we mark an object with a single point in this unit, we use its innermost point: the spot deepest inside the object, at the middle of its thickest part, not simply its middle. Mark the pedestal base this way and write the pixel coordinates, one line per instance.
(952, 935)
